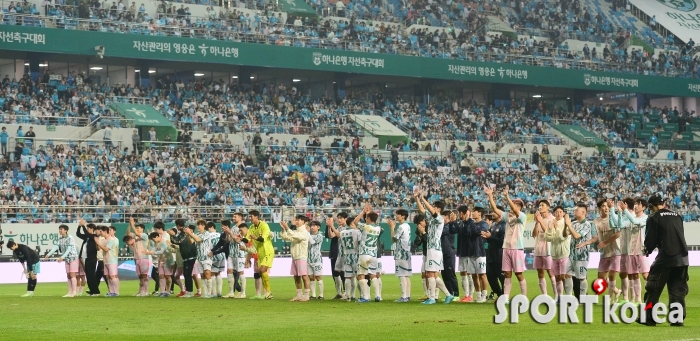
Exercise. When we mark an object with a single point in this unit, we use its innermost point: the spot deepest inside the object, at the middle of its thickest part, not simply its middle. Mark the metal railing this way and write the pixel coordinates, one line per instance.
(10, 117)
(36, 143)
(294, 39)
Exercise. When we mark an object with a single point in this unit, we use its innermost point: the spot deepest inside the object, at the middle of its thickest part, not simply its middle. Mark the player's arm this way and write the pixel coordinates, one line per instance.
(220, 246)
(315, 239)
(71, 242)
(52, 251)
(331, 231)
(593, 240)
(81, 232)
(632, 218)
(513, 206)
(538, 225)
(194, 236)
(570, 228)
(429, 207)
(492, 202)
(651, 239)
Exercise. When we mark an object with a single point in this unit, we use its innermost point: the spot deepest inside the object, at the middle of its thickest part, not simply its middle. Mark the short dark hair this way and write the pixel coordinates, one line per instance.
(481, 210)
(226, 223)
(11, 244)
(254, 213)
(211, 225)
(127, 238)
(91, 226)
(159, 225)
(439, 204)
(402, 213)
(243, 225)
(316, 223)
(373, 216)
(343, 215)
(153, 235)
(239, 214)
(543, 201)
(629, 202)
(112, 228)
(582, 205)
(63, 227)
(642, 202)
(601, 202)
(180, 222)
(418, 219)
(446, 212)
(560, 208)
(462, 209)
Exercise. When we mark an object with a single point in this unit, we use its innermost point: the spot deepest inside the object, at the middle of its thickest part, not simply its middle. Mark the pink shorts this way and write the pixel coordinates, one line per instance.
(626, 264)
(638, 265)
(72, 267)
(81, 269)
(143, 267)
(543, 262)
(195, 271)
(559, 266)
(165, 270)
(299, 267)
(609, 264)
(513, 260)
(111, 269)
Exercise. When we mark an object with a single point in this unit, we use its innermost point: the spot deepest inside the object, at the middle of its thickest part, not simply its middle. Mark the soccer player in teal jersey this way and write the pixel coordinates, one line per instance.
(315, 261)
(69, 253)
(204, 261)
(401, 237)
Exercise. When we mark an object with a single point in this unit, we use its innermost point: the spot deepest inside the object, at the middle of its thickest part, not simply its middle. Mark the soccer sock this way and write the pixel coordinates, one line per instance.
(73, 285)
(401, 285)
(219, 284)
(523, 287)
(144, 286)
(625, 288)
(364, 289)
(338, 285)
(116, 283)
(636, 285)
(405, 287)
(441, 285)
(163, 286)
(348, 287)
(465, 285)
(543, 286)
(313, 288)
(355, 286)
(258, 286)
(484, 294)
(555, 288)
(507, 284)
(583, 286)
(611, 285)
(320, 288)
(298, 294)
(80, 289)
(431, 288)
(178, 280)
(29, 284)
(425, 286)
(470, 291)
(241, 278)
(32, 285)
(205, 287)
(266, 282)
(69, 286)
(231, 282)
(306, 293)
(568, 285)
(376, 283)
(560, 288)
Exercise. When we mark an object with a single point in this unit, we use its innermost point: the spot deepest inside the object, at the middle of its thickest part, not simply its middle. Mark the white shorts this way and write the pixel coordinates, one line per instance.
(315, 269)
(235, 264)
(403, 268)
(367, 265)
(339, 266)
(350, 270)
(204, 265)
(476, 265)
(422, 264)
(463, 262)
(577, 268)
(218, 265)
(433, 261)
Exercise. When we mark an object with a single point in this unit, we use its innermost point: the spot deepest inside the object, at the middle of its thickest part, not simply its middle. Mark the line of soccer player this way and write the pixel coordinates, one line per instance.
(490, 251)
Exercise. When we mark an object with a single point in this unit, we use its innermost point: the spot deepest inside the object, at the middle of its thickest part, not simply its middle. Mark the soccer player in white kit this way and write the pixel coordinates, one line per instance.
(204, 262)
(315, 260)
(218, 262)
(582, 231)
(401, 237)
(436, 223)
(367, 264)
(69, 253)
(349, 248)
(607, 234)
(637, 260)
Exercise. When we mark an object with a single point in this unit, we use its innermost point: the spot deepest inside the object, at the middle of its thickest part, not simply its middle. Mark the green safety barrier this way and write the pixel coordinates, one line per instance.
(48, 40)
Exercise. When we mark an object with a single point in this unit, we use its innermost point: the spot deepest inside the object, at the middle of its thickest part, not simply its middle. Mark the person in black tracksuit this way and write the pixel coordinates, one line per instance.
(670, 268)
(188, 251)
(24, 254)
(87, 234)
(421, 241)
(333, 234)
(447, 240)
(470, 245)
(494, 254)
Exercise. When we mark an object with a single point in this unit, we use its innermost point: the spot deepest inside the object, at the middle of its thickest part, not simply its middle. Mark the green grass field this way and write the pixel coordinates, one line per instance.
(47, 316)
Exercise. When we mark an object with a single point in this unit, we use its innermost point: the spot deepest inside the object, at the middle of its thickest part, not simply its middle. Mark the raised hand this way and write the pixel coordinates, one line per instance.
(488, 190)
(505, 192)
(567, 220)
(391, 223)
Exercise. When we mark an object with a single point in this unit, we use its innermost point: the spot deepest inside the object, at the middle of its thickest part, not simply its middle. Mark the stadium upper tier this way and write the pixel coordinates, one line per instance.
(350, 33)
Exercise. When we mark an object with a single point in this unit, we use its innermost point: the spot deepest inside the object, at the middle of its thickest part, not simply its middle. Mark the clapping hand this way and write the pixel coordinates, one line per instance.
(283, 224)
(392, 223)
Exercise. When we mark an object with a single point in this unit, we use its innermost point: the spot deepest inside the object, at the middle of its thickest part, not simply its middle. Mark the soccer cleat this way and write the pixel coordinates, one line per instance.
(269, 296)
(165, 294)
(362, 300)
(257, 297)
(188, 295)
(197, 295)
(424, 298)
(429, 301)
(320, 298)
(68, 295)
(481, 300)
(155, 293)
(492, 296)
(622, 301)
(218, 296)
(171, 292)
(182, 293)
(449, 299)
(29, 294)
(338, 297)
(95, 295)
(296, 298)
(348, 299)
(402, 300)
(79, 294)
(304, 299)
(615, 295)
(377, 299)
(240, 295)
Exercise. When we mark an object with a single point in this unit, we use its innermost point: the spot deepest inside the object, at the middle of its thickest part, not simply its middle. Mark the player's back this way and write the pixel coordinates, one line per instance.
(349, 239)
(370, 237)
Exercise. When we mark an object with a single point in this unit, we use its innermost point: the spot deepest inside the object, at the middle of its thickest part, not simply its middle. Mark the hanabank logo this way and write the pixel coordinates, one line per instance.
(565, 310)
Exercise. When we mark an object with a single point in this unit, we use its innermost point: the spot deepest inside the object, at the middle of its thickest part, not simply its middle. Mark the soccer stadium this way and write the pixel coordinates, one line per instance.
(259, 169)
